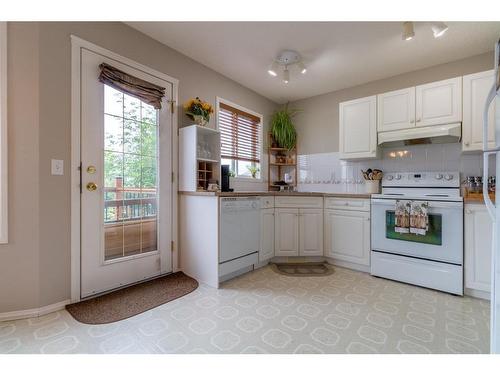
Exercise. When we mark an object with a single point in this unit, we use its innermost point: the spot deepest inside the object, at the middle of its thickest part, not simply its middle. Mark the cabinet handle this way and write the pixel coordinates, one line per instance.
(418, 120)
(467, 144)
(412, 121)
(468, 211)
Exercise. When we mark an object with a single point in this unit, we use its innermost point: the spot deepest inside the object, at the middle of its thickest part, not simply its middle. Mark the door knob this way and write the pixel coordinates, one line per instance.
(91, 186)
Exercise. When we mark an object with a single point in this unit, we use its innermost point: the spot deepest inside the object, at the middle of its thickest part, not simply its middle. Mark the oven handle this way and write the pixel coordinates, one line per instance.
(432, 204)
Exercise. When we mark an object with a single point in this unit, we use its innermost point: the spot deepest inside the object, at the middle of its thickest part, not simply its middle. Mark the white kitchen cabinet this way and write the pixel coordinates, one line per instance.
(286, 232)
(475, 91)
(347, 236)
(439, 103)
(478, 230)
(396, 110)
(358, 128)
(311, 232)
(266, 234)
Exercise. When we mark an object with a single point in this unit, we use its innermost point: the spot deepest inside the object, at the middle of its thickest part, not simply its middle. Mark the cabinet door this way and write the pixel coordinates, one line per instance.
(396, 110)
(476, 88)
(478, 230)
(310, 232)
(439, 103)
(266, 234)
(347, 236)
(286, 226)
(358, 128)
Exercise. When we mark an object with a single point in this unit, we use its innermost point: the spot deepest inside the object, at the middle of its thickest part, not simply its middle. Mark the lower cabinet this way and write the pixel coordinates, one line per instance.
(477, 236)
(347, 236)
(298, 232)
(266, 234)
(286, 226)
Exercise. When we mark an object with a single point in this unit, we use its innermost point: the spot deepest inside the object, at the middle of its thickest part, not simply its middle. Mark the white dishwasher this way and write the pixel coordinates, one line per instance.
(239, 235)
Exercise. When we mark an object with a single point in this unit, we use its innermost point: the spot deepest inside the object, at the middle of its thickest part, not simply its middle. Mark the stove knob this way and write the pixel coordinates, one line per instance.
(390, 177)
(398, 177)
(439, 176)
(448, 177)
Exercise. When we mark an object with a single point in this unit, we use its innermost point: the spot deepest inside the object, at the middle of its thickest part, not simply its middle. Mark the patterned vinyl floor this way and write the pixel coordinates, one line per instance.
(265, 312)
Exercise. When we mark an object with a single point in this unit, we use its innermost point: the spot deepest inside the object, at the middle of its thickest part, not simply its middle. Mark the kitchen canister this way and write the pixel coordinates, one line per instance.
(372, 186)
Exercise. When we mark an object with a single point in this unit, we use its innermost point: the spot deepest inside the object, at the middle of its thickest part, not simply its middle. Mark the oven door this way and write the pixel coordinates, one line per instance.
(442, 242)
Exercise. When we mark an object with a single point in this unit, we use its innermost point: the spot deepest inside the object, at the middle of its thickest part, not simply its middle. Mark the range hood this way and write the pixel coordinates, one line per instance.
(449, 133)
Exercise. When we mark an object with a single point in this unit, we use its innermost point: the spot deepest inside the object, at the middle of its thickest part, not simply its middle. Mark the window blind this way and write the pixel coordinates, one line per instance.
(240, 134)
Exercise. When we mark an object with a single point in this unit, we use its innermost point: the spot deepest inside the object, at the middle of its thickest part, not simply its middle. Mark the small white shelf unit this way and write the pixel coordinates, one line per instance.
(199, 157)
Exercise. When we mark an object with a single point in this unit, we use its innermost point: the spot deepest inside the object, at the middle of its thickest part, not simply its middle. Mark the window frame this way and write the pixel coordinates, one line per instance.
(220, 100)
(4, 208)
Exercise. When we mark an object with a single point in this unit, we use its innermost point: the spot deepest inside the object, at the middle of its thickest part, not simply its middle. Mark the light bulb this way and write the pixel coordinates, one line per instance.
(286, 75)
(273, 69)
(302, 67)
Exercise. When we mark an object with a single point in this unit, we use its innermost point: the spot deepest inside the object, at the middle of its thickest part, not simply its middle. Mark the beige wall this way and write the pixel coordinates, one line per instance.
(318, 124)
(35, 265)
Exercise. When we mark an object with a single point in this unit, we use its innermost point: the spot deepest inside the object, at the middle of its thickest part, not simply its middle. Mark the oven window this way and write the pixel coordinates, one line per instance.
(432, 237)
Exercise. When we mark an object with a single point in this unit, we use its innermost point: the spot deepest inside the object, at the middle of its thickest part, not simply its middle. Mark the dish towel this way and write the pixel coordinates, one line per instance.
(402, 220)
(419, 219)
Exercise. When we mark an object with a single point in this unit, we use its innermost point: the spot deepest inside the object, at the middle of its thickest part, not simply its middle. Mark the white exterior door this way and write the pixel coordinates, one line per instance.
(340, 243)
(396, 110)
(266, 234)
(478, 231)
(286, 232)
(476, 88)
(439, 103)
(311, 232)
(126, 203)
(358, 128)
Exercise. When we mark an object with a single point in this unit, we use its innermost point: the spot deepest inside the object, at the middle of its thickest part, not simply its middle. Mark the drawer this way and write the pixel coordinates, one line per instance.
(298, 202)
(351, 204)
(267, 202)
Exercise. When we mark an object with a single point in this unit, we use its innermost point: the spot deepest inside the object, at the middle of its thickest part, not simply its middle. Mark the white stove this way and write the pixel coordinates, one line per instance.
(431, 257)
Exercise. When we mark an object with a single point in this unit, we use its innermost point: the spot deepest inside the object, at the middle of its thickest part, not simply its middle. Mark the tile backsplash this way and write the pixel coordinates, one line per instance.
(327, 173)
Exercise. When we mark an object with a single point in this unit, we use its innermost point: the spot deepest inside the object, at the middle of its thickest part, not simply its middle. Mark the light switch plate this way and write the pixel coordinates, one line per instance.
(57, 167)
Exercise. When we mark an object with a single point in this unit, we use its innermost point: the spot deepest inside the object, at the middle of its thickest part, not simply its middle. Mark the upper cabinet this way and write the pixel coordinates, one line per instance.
(396, 110)
(358, 128)
(476, 87)
(439, 102)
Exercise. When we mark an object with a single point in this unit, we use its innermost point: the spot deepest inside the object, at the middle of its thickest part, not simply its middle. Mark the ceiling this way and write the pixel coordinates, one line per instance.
(337, 54)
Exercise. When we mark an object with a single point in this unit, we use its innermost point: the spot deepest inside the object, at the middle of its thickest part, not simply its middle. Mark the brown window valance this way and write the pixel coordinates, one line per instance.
(136, 87)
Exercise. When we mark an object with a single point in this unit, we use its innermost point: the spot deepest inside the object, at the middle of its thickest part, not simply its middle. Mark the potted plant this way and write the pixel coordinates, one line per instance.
(282, 129)
(253, 169)
(198, 111)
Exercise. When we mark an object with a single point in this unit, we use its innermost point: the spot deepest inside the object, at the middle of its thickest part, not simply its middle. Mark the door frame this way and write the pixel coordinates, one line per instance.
(77, 44)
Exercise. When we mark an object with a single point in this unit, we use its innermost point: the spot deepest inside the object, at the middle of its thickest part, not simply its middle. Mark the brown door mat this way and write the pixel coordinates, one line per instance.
(303, 269)
(133, 300)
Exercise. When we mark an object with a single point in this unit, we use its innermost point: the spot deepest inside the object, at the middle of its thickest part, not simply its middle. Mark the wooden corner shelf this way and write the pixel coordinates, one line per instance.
(280, 161)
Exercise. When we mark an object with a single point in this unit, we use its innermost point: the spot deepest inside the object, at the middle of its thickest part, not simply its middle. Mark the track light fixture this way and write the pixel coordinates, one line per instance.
(408, 32)
(438, 29)
(285, 60)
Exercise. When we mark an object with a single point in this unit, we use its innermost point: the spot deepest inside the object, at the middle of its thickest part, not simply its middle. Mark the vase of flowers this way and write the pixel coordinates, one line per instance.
(198, 111)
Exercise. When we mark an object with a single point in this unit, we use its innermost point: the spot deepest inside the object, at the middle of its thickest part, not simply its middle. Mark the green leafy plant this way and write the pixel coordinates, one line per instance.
(232, 173)
(282, 128)
(253, 169)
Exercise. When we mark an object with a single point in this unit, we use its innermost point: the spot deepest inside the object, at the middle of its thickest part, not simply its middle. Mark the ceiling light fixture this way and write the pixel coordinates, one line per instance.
(408, 32)
(285, 60)
(438, 29)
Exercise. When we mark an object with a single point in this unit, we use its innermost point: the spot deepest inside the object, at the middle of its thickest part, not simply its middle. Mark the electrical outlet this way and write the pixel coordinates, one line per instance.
(57, 167)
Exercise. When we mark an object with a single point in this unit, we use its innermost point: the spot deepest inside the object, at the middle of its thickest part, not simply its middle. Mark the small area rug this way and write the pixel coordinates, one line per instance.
(303, 269)
(133, 300)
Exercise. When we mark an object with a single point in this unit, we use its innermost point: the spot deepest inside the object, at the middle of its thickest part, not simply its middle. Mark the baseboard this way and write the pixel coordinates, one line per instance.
(477, 293)
(33, 313)
(352, 266)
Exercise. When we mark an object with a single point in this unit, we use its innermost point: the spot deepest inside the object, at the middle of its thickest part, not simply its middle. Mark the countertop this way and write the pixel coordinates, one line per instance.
(274, 193)
(476, 198)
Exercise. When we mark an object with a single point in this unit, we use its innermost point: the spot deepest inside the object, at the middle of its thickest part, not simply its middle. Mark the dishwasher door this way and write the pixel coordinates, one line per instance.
(239, 228)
